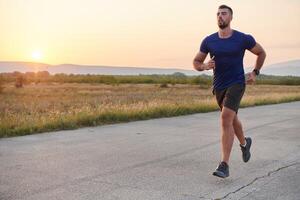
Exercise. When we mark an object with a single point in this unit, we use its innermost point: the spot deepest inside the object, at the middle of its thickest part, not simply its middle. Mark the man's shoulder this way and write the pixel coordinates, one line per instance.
(238, 32)
(241, 34)
(212, 36)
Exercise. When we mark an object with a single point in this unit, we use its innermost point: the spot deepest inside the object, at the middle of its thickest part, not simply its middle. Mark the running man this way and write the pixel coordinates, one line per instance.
(227, 48)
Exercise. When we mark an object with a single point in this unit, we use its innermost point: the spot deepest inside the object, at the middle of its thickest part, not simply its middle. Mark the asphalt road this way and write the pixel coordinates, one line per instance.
(169, 158)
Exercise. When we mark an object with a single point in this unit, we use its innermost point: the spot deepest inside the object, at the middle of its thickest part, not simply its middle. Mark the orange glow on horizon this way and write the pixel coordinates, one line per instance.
(139, 33)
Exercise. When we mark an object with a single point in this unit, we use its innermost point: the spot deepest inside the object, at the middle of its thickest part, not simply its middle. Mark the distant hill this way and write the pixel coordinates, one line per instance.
(108, 70)
(22, 66)
(289, 68)
(84, 69)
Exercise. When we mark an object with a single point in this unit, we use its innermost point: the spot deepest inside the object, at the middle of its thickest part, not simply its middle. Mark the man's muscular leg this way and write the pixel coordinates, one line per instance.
(238, 130)
(227, 118)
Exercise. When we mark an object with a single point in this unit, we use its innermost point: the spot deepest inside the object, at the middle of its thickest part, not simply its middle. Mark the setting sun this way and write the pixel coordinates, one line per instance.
(96, 31)
(36, 55)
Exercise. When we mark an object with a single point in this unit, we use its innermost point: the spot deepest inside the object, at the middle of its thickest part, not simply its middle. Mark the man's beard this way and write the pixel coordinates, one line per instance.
(222, 25)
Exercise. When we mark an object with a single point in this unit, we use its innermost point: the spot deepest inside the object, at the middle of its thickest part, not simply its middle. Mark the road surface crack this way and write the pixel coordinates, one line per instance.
(258, 178)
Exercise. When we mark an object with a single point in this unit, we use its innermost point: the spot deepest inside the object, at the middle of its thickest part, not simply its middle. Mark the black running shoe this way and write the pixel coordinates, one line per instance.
(246, 149)
(222, 171)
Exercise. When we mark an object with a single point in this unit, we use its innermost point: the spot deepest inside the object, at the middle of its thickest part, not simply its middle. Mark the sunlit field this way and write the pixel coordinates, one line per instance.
(51, 106)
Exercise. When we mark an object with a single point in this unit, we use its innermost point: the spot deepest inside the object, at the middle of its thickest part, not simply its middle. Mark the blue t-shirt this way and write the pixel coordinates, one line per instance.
(229, 54)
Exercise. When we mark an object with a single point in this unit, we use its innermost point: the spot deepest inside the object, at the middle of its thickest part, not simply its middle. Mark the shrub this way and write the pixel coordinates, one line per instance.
(164, 85)
(19, 81)
(1, 83)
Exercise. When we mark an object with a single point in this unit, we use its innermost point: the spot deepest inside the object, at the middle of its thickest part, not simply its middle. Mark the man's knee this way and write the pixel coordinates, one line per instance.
(227, 117)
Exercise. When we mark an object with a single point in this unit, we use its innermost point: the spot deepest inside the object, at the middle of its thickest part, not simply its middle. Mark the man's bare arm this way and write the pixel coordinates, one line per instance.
(198, 62)
(261, 56)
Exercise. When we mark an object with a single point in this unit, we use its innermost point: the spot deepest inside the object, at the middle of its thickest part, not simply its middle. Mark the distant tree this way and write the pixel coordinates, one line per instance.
(43, 74)
(30, 77)
(179, 74)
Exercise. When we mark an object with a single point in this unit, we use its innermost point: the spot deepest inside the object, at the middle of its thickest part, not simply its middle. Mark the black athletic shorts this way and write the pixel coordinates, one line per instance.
(231, 96)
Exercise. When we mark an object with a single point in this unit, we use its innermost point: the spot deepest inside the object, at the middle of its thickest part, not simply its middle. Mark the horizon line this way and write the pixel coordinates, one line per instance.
(118, 66)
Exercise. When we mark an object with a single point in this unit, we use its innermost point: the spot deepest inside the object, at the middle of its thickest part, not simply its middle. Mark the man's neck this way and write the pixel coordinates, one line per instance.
(225, 33)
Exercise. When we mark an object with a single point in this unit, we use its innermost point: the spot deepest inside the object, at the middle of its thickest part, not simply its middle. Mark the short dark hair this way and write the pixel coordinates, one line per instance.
(225, 6)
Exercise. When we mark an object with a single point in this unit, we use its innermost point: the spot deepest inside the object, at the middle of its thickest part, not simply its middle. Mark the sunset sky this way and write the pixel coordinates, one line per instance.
(156, 33)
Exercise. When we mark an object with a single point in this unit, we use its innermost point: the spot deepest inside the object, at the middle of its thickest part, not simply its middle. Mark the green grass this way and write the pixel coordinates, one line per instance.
(51, 107)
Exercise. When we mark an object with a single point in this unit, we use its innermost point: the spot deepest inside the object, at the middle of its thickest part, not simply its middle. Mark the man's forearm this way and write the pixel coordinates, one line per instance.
(260, 60)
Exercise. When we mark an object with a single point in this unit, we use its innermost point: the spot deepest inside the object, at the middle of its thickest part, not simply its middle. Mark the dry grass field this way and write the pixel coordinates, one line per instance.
(51, 106)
